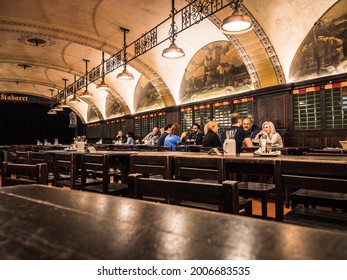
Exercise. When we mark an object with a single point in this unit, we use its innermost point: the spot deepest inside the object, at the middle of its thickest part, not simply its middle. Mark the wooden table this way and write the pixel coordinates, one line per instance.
(285, 150)
(117, 159)
(41, 222)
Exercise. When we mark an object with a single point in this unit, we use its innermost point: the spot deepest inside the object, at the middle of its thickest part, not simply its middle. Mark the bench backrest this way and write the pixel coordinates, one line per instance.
(224, 195)
(65, 164)
(315, 175)
(22, 157)
(38, 157)
(199, 168)
(95, 163)
(152, 165)
(18, 173)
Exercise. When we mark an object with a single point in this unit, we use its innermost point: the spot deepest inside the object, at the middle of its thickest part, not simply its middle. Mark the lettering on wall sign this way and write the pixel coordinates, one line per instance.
(14, 97)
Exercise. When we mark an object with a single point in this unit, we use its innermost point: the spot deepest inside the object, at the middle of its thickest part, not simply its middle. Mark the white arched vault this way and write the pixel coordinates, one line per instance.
(46, 43)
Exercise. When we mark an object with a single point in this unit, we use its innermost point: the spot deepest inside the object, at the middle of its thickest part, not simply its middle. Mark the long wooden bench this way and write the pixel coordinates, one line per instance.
(225, 196)
(327, 180)
(314, 198)
(18, 174)
(205, 169)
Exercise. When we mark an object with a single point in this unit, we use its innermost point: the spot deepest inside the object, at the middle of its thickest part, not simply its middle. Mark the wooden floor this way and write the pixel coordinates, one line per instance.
(270, 208)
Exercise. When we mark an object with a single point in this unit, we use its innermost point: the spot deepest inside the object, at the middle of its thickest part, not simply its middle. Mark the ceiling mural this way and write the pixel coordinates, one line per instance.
(214, 71)
(324, 50)
(147, 97)
(113, 109)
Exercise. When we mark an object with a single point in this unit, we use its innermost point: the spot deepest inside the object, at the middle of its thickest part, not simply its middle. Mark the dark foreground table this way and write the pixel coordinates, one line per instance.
(41, 222)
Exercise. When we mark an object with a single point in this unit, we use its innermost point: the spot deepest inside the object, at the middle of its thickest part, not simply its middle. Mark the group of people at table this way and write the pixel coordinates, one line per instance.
(245, 134)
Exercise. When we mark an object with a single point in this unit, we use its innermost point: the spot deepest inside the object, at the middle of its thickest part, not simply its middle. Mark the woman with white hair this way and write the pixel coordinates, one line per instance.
(273, 137)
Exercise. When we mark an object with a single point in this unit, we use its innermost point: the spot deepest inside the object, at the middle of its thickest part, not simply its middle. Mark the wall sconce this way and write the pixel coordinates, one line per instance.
(125, 74)
(74, 99)
(173, 51)
(237, 23)
(103, 85)
(86, 94)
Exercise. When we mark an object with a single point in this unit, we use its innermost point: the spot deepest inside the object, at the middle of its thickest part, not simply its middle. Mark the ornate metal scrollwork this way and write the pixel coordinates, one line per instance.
(146, 42)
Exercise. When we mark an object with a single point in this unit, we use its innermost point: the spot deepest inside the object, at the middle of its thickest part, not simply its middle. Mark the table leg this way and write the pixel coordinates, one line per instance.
(264, 200)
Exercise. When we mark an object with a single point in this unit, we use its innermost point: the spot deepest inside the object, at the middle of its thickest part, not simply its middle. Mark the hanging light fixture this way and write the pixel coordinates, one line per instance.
(58, 107)
(173, 51)
(51, 111)
(237, 23)
(86, 94)
(74, 99)
(64, 103)
(103, 85)
(125, 74)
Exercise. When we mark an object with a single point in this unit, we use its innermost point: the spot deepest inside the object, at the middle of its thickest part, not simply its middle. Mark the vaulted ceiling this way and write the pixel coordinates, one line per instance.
(72, 31)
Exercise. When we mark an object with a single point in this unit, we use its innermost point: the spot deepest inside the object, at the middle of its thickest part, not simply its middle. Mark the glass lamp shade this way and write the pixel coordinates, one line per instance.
(51, 112)
(173, 51)
(58, 108)
(237, 23)
(86, 94)
(125, 75)
(103, 85)
(74, 100)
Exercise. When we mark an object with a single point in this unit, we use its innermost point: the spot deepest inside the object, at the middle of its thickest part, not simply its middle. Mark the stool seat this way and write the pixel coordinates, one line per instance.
(258, 190)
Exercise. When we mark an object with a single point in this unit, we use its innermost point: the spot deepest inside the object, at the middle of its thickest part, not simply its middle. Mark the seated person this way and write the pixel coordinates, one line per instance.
(173, 139)
(120, 138)
(240, 135)
(130, 138)
(167, 131)
(211, 137)
(152, 137)
(193, 138)
(269, 132)
(250, 128)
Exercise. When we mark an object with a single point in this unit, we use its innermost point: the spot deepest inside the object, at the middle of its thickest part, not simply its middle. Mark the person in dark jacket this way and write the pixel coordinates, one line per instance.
(120, 138)
(211, 137)
(240, 135)
(167, 131)
(250, 128)
(193, 138)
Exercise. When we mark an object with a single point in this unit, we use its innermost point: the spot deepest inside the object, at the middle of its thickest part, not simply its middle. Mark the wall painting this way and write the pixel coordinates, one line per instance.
(146, 97)
(216, 70)
(324, 50)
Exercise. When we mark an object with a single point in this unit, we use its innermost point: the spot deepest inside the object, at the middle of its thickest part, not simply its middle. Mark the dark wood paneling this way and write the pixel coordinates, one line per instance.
(272, 108)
